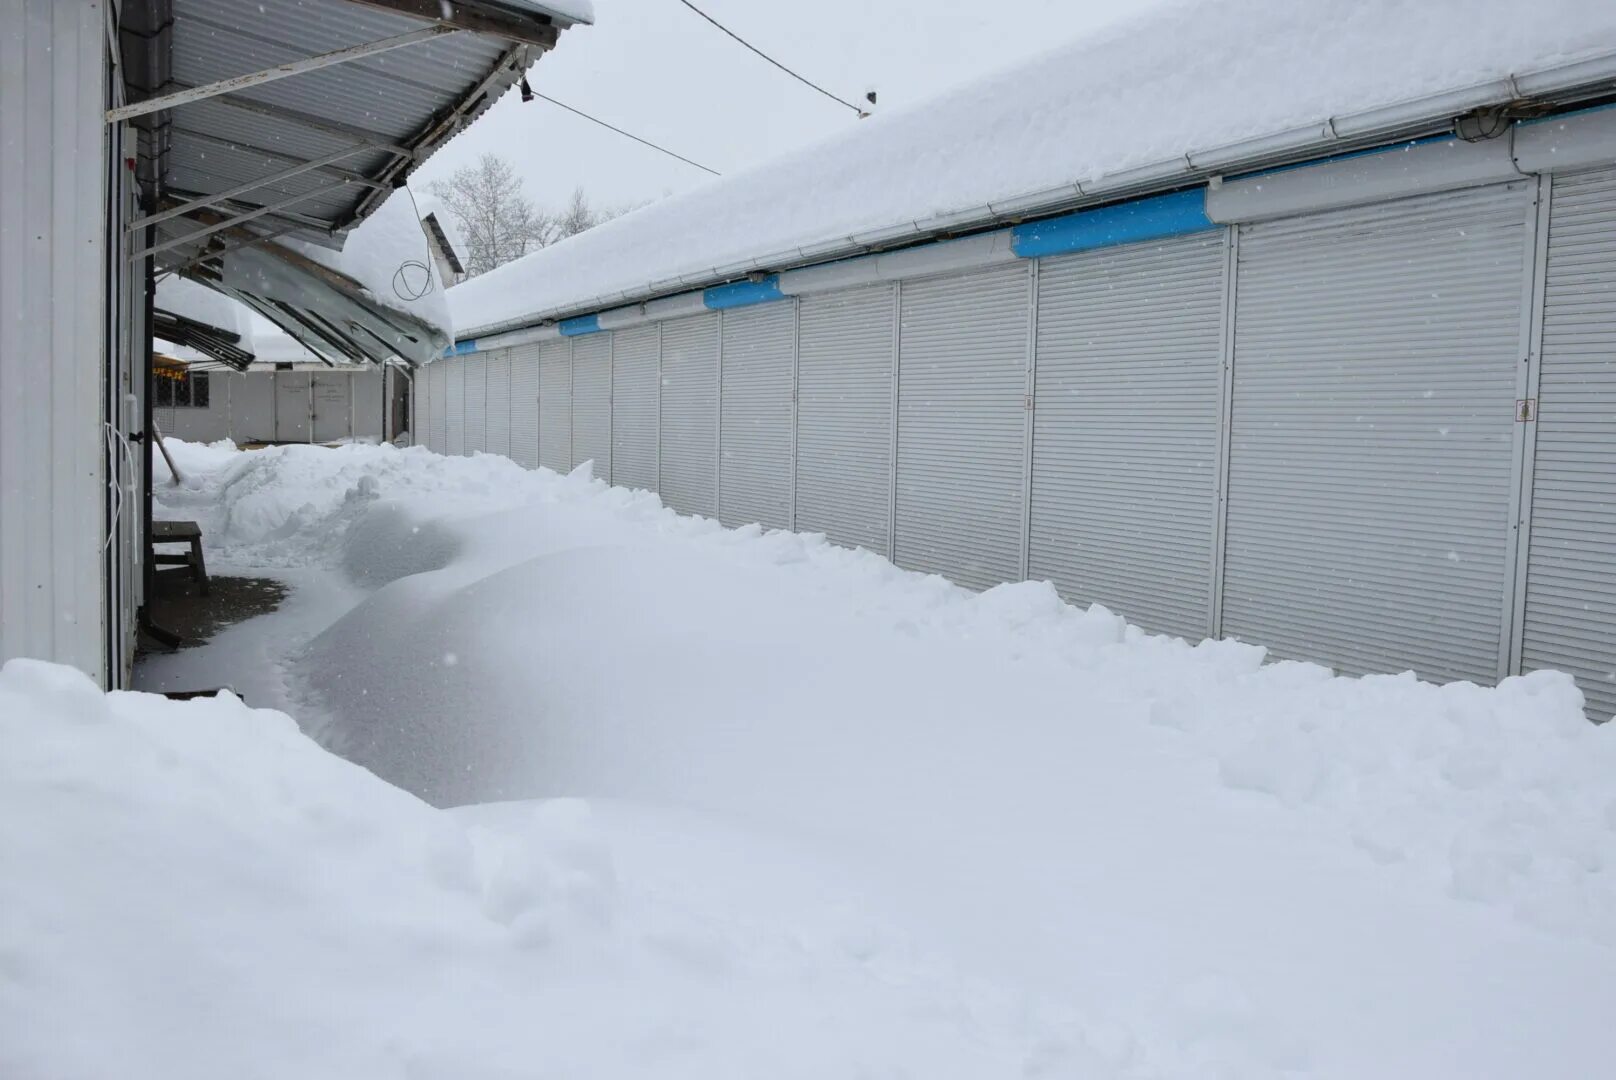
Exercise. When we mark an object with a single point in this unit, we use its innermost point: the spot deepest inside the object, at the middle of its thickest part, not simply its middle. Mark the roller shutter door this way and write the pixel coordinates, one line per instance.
(498, 435)
(1126, 429)
(454, 402)
(1570, 617)
(845, 357)
(688, 430)
(634, 407)
(1376, 355)
(962, 425)
(439, 374)
(754, 431)
(555, 405)
(592, 402)
(476, 403)
(525, 405)
(421, 406)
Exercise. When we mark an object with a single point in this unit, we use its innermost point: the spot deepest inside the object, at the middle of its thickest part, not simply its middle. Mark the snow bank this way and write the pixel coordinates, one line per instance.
(1184, 77)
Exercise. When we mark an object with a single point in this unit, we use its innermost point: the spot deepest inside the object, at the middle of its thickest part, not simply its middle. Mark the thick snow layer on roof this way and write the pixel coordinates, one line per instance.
(195, 301)
(579, 11)
(389, 256)
(1183, 77)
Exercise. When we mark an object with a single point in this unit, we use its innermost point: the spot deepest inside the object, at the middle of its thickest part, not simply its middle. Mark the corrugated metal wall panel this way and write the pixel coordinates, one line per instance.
(688, 431)
(1376, 356)
(498, 433)
(291, 406)
(555, 405)
(1570, 618)
(475, 398)
(525, 405)
(754, 483)
(1126, 429)
(369, 391)
(592, 402)
(454, 407)
(634, 407)
(962, 425)
(844, 415)
(421, 407)
(439, 374)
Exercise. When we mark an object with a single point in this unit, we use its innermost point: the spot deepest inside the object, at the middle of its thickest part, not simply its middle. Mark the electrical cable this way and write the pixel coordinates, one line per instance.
(772, 60)
(596, 120)
(403, 287)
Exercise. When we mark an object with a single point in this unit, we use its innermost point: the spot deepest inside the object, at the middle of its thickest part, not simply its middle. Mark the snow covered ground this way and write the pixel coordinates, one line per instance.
(787, 811)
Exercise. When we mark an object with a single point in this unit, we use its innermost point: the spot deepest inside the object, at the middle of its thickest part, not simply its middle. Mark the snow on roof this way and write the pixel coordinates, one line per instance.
(568, 11)
(195, 301)
(1180, 78)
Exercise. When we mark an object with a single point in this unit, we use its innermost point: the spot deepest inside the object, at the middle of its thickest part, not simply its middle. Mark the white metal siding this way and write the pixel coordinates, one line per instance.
(498, 433)
(420, 406)
(1126, 429)
(439, 428)
(333, 405)
(962, 425)
(53, 276)
(475, 403)
(634, 407)
(689, 414)
(592, 402)
(555, 405)
(291, 406)
(844, 415)
(755, 415)
(252, 406)
(454, 408)
(525, 405)
(369, 391)
(1570, 618)
(1376, 356)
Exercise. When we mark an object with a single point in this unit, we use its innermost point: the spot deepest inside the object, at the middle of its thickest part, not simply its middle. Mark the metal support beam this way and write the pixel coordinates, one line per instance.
(350, 175)
(241, 189)
(219, 226)
(281, 71)
(235, 245)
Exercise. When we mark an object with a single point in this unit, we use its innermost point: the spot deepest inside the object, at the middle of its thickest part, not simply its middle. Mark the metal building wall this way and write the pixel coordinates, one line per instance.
(525, 405)
(252, 406)
(635, 359)
(497, 428)
(292, 402)
(688, 428)
(474, 403)
(1570, 581)
(1129, 391)
(555, 405)
(439, 428)
(332, 405)
(592, 402)
(963, 352)
(1371, 462)
(454, 402)
(369, 391)
(53, 277)
(755, 415)
(208, 424)
(846, 367)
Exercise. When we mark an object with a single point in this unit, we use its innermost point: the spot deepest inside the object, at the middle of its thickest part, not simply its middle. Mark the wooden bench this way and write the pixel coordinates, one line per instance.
(181, 532)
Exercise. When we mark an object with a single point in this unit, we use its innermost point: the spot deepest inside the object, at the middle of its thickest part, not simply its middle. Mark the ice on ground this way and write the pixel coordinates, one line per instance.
(892, 825)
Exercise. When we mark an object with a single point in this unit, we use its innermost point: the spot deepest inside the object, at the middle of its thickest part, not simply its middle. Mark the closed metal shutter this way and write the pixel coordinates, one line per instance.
(754, 482)
(555, 405)
(476, 403)
(1126, 429)
(454, 401)
(634, 407)
(333, 405)
(962, 425)
(291, 407)
(688, 428)
(421, 406)
(845, 358)
(439, 374)
(525, 405)
(1376, 354)
(592, 402)
(1570, 618)
(498, 435)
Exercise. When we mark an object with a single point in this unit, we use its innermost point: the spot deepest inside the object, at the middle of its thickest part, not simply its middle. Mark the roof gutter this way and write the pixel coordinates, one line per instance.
(1562, 84)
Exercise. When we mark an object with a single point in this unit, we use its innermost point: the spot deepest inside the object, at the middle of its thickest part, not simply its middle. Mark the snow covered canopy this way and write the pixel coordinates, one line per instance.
(295, 120)
(1188, 90)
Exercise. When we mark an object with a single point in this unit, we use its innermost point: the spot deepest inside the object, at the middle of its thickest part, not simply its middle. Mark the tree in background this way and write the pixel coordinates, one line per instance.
(579, 216)
(498, 221)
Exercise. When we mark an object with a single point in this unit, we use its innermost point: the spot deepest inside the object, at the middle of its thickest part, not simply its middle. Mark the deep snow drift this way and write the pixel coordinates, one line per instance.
(857, 822)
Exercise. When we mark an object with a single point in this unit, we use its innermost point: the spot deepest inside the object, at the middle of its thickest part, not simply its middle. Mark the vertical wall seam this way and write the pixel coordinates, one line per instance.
(1220, 506)
(1030, 406)
(718, 428)
(796, 364)
(892, 446)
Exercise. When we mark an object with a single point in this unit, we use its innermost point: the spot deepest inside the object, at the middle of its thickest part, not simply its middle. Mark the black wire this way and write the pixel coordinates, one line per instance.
(631, 135)
(770, 59)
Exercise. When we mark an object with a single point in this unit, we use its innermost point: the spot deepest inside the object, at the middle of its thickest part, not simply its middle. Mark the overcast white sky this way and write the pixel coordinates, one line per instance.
(660, 71)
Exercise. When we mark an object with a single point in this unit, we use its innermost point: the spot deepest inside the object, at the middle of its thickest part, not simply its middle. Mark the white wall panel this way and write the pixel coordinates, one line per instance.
(635, 354)
(525, 405)
(498, 434)
(592, 402)
(475, 403)
(555, 405)
(759, 345)
(689, 419)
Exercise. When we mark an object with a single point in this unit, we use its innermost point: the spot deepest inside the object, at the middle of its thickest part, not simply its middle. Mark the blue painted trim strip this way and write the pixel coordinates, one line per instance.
(1124, 223)
(742, 293)
(583, 324)
(461, 348)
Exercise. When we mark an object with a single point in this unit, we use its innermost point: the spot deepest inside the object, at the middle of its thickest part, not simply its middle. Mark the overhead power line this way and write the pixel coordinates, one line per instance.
(772, 60)
(528, 92)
